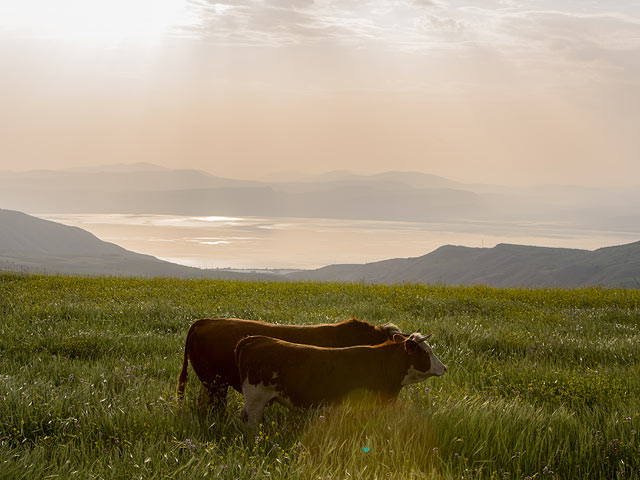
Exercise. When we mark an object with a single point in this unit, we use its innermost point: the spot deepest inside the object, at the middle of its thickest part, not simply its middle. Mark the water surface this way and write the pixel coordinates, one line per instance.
(303, 243)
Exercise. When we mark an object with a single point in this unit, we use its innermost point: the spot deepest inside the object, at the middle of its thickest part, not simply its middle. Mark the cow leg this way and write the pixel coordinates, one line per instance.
(213, 395)
(256, 397)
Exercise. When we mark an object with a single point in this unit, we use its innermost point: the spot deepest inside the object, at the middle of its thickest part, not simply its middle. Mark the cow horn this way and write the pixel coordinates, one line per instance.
(417, 337)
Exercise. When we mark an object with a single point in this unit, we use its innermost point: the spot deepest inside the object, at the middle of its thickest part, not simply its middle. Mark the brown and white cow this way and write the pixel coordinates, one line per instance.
(210, 346)
(303, 375)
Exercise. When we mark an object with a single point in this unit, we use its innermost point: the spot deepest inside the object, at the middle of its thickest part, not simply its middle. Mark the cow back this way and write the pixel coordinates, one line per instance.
(211, 342)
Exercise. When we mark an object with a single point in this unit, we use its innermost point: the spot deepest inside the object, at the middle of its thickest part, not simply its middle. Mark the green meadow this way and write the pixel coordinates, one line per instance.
(541, 384)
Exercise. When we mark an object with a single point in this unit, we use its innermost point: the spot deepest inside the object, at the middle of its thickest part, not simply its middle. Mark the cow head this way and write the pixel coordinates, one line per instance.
(391, 329)
(422, 362)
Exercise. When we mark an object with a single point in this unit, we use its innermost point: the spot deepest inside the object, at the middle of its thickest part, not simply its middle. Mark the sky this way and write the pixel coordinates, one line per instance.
(490, 91)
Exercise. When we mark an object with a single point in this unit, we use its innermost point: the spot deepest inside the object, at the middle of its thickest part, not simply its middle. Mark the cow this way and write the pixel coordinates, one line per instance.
(304, 375)
(210, 347)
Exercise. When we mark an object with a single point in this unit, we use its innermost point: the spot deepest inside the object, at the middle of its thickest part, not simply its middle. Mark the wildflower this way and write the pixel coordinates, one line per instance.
(321, 417)
(426, 389)
(257, 439)
(434, 449)
(189, 444)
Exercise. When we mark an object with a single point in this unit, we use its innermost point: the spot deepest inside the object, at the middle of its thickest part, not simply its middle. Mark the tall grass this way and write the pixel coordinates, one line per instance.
(541, 384)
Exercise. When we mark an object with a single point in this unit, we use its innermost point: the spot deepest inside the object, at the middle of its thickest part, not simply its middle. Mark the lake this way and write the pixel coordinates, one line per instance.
(305, 243)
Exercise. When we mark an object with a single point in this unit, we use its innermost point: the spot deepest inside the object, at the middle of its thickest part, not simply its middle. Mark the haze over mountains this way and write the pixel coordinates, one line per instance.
(31, 244)
(409, 196)
(153, 190)
(34, 245)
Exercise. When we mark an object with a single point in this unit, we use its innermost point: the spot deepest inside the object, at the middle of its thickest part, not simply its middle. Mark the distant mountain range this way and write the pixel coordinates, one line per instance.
(410, 196)
(31, 244)
(145, 188)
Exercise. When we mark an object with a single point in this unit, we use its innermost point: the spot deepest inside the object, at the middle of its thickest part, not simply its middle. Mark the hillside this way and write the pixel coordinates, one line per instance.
(501, 266)
(34, 245)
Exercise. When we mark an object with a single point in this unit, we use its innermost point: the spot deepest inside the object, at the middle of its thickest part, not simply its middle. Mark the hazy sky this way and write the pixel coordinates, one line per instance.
(489, 91)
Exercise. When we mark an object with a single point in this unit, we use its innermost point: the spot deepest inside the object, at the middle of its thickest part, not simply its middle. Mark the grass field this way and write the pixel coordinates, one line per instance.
(540, 384)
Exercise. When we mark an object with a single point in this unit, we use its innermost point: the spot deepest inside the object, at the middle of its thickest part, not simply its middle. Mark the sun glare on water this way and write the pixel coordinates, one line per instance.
(107, 22)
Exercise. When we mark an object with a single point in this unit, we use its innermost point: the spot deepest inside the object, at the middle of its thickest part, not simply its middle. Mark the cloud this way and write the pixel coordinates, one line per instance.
(604, 44)
(388, 24)
(544, 27)
(419, 45)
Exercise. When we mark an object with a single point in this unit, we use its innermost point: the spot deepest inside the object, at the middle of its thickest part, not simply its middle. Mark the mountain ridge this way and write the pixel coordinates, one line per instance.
(392, 195)
(36, 245)
(505, 265)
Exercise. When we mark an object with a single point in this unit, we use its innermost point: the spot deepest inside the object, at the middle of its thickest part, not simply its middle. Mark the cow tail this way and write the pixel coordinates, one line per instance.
(238, 353)
(184, 373)
(238, 349)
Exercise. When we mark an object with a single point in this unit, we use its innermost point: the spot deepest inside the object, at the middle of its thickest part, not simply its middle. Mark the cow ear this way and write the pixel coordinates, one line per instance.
(397, 338)
(410, 346)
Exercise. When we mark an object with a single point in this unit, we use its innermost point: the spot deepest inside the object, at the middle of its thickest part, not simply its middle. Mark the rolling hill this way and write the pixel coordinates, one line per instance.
(31, 244)
(501, 266)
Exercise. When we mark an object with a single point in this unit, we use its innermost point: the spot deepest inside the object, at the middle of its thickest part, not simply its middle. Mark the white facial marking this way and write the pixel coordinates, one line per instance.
(437, 368)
